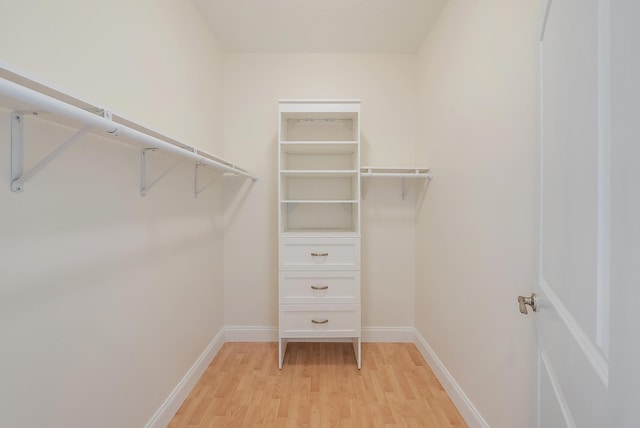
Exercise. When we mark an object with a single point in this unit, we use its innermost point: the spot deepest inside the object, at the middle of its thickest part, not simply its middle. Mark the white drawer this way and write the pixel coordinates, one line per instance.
(320, 253)
(320, 286)
(300, 321)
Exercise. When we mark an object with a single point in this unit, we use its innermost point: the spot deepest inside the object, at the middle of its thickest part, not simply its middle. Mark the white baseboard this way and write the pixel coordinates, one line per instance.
(466, 408)
(270, 334)
(238, 333)
(388, 334)
(173, 402)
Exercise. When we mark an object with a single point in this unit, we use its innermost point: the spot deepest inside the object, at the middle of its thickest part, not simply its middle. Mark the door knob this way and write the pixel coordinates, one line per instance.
(531, 301)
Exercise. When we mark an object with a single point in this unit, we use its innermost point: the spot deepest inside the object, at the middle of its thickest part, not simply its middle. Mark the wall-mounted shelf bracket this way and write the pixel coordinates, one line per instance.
(291, 208)
(144, 187)
(404, 173)
(18, 176)
(364, 186)
(196, 188)
(404, 188)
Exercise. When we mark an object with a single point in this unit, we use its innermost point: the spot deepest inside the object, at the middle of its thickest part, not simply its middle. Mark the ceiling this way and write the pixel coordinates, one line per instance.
(355, 26)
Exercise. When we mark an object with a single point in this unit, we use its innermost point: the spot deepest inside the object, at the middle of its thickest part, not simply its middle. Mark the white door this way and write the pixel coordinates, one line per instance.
(573, 294)
(624, 361)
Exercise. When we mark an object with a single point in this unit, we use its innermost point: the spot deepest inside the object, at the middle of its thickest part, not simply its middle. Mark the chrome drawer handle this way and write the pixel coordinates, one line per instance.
(319, 287)
(319, 321)
(319, 254)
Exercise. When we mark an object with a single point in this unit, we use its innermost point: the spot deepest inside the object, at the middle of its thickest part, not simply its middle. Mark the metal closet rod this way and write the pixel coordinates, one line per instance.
(52, 105)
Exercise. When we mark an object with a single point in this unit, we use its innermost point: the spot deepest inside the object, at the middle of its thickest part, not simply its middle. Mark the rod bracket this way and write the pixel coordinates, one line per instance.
(100, 112)
(196, 185)
(18, 176)
(144, 186)
(404, 188)
(364, 184)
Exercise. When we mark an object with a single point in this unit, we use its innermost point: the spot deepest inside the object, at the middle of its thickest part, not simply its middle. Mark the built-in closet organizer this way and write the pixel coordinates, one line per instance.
(319, 222)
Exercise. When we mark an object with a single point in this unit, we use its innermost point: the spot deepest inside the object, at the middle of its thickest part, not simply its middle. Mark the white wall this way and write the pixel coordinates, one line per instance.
(476, 227)
(386, 84)
(107, 299)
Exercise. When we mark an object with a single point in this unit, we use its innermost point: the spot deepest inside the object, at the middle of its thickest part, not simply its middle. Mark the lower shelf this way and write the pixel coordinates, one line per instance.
(319, 321)
(321, 215)
(357, 350)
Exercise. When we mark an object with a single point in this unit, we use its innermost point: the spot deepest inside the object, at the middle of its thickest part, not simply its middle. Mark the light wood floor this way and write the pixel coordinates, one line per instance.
(318, 386)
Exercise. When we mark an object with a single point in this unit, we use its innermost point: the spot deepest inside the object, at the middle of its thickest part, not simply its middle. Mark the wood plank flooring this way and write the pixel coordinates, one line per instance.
(318, 386)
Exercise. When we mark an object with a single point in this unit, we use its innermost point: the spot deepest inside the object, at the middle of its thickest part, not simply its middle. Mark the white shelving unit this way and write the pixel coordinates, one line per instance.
(319, 221)
(319, 167)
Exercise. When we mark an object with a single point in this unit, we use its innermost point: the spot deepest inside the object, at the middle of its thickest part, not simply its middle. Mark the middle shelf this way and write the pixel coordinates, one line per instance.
(325, 173)
(319, 201)
(315, 186)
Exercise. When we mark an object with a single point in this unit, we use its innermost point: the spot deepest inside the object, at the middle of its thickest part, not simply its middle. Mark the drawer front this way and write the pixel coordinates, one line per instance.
(300, 321)
(320, 253)
(319, 286)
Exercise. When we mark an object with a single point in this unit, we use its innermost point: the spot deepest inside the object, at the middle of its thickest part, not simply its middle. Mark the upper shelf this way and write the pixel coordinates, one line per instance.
(319, 108)
(319, 147)
(27, 96)
(318, 121)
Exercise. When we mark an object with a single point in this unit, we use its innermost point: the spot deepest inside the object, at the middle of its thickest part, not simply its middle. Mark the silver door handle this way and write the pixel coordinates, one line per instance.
(531, 301)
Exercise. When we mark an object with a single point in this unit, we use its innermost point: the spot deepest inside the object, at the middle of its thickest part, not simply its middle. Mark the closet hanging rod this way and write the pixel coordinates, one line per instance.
(39, 101)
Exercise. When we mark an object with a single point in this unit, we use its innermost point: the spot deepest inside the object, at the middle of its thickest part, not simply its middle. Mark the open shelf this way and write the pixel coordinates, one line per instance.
(319, 233)
(319, 201)
(319, 147)
(324, 122)
(319, 161)
(327, 173)
(316, 186)
(403, 173)
(368, 171)
(316, 215)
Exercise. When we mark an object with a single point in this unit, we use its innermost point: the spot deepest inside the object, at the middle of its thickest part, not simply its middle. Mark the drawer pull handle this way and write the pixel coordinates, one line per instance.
(319, 287)
(319, 321)
(319, 254)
